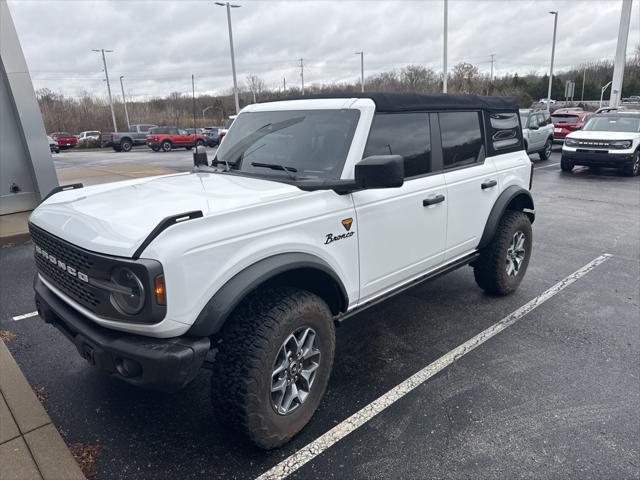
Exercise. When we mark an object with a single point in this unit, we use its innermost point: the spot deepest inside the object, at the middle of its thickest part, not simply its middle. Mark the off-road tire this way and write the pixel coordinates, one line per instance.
(490, 269)
(155, 148)
(249, 343)
(633, 169)
(166, 146)
(545, 153)
(126, 145)
(566, 165)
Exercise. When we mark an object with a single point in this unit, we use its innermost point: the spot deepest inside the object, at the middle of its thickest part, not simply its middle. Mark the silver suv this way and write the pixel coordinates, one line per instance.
(537, 132)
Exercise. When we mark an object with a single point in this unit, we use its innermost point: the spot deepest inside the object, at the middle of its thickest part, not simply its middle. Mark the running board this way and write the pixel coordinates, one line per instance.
(461, 262)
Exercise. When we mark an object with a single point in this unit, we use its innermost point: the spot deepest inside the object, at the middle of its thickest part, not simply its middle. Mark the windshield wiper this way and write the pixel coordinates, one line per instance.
(276, 166)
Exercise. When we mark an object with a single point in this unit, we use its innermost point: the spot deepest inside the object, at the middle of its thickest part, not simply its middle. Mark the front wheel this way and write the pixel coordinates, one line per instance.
(545, 153)
(166, 146)
(566, 165)
(503, 263)
(126, 145)
(273, 364)
(155, 148)
(633, 169)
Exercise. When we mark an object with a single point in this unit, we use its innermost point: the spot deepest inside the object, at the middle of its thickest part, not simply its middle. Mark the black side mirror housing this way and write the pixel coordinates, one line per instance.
(380, 171)
(200, 156)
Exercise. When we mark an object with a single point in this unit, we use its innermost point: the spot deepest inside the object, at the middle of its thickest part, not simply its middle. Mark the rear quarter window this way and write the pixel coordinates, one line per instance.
(503, 132)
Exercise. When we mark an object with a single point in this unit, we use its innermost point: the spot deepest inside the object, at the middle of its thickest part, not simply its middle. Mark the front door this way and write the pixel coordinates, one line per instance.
(401, 231)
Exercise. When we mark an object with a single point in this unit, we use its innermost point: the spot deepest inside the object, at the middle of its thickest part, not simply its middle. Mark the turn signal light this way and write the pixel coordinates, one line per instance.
(160, 290)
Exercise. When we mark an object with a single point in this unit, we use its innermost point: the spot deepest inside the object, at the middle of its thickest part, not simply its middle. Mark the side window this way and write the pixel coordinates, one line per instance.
(533, 121)
(541, 120)
(504, 132)
(405, 134)
(172, 131)
(144, 128)
(461, 138)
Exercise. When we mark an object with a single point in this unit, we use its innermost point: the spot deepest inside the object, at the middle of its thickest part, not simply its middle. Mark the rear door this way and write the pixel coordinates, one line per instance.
(401, 231)
(471, 179)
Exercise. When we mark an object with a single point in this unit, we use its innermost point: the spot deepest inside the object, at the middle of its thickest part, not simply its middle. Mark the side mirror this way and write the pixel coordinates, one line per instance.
(380, 171)
(200, 156)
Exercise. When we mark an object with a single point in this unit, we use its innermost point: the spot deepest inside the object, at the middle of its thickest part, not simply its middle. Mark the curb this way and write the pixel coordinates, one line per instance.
(30, 445)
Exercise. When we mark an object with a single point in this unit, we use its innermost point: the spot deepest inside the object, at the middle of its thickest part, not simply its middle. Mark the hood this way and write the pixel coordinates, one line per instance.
(115, 218)
(601, 135)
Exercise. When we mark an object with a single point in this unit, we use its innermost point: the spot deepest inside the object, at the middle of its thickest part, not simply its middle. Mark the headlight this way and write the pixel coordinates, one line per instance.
(570, 142)
(621, 144)
(131, 299)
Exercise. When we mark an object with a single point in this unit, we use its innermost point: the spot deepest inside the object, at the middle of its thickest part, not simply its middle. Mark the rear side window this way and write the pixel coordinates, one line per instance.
(405, 134)
(461, 138)
(503, 132)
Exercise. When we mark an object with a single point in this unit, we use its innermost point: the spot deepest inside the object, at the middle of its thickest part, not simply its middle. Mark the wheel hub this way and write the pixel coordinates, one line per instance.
(515, 254)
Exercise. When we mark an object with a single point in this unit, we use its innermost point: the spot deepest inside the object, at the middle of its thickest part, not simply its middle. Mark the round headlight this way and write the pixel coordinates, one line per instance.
(127, 303)
(570, 142)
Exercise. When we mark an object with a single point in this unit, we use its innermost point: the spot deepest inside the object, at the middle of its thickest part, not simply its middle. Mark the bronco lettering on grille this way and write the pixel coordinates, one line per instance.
(61, 265)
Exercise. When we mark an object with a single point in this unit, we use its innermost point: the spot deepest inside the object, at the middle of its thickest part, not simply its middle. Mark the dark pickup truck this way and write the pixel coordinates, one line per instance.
(125, 141)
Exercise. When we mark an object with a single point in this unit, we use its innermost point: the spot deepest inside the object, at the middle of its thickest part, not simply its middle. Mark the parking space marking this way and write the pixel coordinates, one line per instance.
(25, 315)
(337, 433)
(547, 166)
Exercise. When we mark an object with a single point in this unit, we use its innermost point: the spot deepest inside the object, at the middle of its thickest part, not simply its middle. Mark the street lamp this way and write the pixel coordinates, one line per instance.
(233, 57)
(361, 69)
(602, 90)
(444, 45)
(106, 74)
(124, 100)
(553, 52)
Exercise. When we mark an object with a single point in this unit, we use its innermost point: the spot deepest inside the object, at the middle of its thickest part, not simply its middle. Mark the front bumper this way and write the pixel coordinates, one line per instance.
(600, 158)
(164, 364)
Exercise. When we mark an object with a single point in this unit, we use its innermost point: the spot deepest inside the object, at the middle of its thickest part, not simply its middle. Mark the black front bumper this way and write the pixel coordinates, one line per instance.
(166, 364)
(598, 158)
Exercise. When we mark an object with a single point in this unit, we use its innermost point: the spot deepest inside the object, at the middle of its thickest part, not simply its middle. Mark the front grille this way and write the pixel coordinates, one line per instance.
(59, 257)
(594, 143)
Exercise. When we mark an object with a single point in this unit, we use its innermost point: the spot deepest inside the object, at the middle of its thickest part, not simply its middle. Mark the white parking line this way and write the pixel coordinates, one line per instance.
(25, 315)
(547, 166)
(337, 433)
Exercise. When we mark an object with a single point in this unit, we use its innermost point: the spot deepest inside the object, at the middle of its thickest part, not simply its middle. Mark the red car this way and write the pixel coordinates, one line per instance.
(65, 140)
(566, 122)
(168, 138)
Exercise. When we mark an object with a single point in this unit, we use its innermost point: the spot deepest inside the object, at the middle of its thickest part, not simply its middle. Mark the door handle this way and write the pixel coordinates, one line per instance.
(488, 184)
(432, 200)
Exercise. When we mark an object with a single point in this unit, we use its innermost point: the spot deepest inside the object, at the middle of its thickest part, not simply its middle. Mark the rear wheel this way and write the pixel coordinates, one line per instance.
(166, 146)
(633, 169)
(155, 148)
(126, 145)
(503, 263)
(273, 364)
(566, 165)
(545, 153)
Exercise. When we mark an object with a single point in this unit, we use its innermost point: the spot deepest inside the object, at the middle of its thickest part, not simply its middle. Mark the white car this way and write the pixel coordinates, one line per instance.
(89, 135)
(606, 140)
(311, 211)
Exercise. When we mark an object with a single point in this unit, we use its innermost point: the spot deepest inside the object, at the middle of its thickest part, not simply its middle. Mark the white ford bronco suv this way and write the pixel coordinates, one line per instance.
(311, 211)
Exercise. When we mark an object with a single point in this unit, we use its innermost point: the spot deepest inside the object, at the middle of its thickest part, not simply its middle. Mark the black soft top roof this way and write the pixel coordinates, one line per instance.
(407, 102)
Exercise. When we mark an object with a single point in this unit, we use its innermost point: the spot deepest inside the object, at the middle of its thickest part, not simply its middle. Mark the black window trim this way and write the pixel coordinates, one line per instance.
(483, 139)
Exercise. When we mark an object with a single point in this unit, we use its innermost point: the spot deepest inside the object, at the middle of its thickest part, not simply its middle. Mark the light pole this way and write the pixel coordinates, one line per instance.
(361, 70)
(233, 56)
(621, 50)
(602, 90)
(553, 53)
(106, 73)
(124, 100)
(444, 53)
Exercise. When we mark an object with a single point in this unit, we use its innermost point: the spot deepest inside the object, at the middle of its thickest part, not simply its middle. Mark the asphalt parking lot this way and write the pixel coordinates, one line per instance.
(555, 395)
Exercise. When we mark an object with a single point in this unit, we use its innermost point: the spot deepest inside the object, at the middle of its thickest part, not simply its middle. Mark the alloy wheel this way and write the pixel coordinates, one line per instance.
(294, 370)
(515, 254)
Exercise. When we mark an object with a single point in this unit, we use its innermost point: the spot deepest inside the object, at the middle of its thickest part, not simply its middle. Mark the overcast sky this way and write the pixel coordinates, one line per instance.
(158, 44)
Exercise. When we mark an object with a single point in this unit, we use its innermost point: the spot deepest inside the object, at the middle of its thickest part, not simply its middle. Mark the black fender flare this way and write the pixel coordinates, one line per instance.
(512, 196)
(228, 297)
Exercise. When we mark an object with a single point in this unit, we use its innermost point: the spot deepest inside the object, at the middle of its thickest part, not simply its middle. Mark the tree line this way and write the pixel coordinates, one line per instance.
(91, 112)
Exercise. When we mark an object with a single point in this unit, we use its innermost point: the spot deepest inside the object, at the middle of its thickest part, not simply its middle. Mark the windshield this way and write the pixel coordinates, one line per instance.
(311, 143)
(565, 118)
(608, 123)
